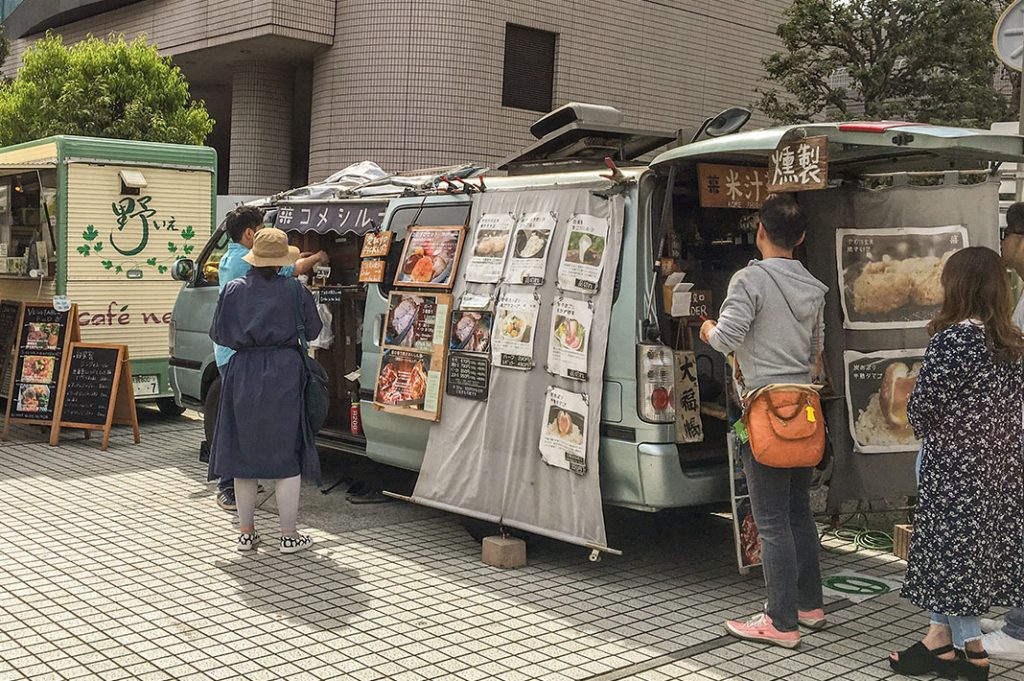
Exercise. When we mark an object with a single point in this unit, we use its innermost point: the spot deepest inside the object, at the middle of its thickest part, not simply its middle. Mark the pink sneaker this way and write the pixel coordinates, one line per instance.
(760, 628)
(812, 619)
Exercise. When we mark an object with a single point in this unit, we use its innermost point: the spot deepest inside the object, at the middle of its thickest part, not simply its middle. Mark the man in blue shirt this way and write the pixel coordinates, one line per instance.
(241, 225)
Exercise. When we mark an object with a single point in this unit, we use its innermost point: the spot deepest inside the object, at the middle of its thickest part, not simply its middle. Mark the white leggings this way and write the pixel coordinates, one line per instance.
(287, 490)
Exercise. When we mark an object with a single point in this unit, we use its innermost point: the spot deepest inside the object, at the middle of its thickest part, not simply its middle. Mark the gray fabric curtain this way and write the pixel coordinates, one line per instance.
(976, 207)
(483, 458)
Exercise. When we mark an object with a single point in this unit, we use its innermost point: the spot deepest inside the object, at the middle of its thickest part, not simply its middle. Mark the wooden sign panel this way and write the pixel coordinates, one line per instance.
(95, 391)
(372, 271)
(41, 344)
(10, 311)
(430, 257)
(376, 244)
(725, 186)
(800, 165)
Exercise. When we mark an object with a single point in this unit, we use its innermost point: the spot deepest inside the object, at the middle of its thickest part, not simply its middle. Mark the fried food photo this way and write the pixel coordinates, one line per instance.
(887, 285)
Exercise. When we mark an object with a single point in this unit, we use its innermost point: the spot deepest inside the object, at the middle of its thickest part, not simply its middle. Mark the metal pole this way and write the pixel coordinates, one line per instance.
(1020, 125)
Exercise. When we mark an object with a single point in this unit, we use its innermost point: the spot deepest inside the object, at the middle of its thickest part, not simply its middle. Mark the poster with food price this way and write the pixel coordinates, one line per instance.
(430, 257)
(409, 382)
(515, 328)
(416, 320)
(563, 441)
(490, 244)
(891, 278)
(583, 254)
(570, 338)
(531, 243)
(878, 388)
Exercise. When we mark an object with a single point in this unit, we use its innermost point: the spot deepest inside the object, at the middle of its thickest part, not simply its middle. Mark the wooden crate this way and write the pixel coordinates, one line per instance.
(901, 540)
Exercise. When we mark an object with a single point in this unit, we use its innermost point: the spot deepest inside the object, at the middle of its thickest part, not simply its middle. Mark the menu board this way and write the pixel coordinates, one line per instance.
(430, 257)
(515, 328)
(41, 342)
(410, 375)
(747, 539)
(469, 365)
(90, 384)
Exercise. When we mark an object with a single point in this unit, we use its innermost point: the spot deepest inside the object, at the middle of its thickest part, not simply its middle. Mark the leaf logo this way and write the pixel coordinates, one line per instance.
(90, 233)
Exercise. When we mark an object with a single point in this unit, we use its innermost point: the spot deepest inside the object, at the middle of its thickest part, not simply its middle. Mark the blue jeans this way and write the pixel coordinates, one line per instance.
(781, 503)
(963, 629)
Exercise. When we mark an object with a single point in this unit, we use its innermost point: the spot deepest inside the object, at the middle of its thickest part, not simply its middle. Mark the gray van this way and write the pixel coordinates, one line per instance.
(642, 466)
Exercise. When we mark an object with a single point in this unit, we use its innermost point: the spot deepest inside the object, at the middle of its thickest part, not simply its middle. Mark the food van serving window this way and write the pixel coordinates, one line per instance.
(28, 219)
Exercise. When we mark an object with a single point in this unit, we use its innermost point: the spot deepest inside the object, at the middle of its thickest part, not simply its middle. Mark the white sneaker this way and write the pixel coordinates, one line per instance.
(988, 626)
(1002, 646)
(296, 544)
(248, 541)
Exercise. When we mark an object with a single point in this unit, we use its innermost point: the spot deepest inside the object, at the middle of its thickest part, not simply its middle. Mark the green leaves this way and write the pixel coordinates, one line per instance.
(172, 247)
(188, 233)
(107, 264)
(84, 250)
(102, 88)
(904, 59)
(151, 261)
(97, 247)
(90, 233)
(162, 269)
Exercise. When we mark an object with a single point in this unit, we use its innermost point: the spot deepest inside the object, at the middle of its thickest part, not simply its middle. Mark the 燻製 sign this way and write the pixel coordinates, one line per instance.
(799, 165)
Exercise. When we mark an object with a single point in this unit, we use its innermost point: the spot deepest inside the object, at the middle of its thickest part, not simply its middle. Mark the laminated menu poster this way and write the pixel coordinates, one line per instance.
(748, 541)
(515, 328)
(568, 345)
(430, 257)
(416, 320)
(891, 278)
(530, 245)
(583, 254)
(43, 335)
(562, 441)
(490, 244)
(878, 388)
(410, 382)
(469, 364)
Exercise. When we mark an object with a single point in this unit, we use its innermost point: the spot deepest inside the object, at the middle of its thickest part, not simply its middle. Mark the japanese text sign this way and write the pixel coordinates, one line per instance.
(723, 186)
(799, 165)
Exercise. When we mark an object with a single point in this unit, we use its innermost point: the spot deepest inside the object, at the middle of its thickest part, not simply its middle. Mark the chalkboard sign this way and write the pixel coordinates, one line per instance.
(10, 311)
(469, 376)
(41, 341)
(95, 391)
(90, 384)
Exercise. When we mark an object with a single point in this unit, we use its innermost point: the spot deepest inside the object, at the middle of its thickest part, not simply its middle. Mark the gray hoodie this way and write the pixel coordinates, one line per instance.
(772, 343)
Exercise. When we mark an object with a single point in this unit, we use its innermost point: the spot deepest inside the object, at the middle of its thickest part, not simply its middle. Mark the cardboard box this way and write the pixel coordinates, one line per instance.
(901, 540)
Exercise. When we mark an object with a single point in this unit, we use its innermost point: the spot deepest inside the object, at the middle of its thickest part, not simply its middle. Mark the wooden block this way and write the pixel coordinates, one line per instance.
(901, 540)
(504, 552)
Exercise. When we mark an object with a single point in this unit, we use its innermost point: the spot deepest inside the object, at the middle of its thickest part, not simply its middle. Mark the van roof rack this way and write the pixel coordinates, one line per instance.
(579, 136)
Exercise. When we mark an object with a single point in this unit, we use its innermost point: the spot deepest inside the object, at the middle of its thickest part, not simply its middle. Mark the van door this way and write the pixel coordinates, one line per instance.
(392, 439)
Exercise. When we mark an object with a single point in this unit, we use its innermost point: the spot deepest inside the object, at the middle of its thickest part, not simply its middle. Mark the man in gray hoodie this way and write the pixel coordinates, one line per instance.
(772, 322)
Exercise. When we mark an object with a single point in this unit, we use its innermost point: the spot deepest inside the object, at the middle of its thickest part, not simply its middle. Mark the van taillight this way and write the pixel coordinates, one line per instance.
(170, 337)
(654, 383)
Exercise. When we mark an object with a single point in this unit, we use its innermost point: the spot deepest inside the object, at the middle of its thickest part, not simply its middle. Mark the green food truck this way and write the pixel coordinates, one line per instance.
(102, 221)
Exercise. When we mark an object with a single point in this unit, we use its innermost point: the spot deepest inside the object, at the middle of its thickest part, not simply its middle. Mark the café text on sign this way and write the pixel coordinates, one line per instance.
(725, 186)
(799, 165)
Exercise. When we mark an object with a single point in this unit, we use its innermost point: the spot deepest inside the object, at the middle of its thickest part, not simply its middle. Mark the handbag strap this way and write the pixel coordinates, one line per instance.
(300, 326)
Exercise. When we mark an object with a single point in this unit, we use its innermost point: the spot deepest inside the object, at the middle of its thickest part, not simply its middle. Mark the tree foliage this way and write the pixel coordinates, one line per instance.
(100, 88)
(923, 59)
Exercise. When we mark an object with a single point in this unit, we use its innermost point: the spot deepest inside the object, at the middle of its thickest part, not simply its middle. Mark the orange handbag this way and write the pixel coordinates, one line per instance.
(785, 426)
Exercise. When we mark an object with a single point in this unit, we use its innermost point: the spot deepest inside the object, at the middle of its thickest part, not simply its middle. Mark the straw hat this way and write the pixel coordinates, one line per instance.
(270, 249)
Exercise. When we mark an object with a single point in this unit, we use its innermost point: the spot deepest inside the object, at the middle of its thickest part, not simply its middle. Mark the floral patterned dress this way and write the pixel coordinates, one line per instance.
(967, 551)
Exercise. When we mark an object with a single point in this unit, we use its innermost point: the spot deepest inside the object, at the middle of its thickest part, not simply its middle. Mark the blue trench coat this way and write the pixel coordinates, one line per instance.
(260, 431)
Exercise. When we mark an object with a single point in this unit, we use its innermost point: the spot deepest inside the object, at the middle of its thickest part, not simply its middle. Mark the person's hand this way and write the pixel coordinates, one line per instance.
(322, 258)
(706, 328)
(305, 254)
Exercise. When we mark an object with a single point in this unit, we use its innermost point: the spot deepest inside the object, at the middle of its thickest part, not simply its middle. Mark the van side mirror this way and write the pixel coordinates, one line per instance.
(183, 270)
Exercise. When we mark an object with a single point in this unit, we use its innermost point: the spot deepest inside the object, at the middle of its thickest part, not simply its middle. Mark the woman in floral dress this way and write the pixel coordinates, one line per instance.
(967, 551)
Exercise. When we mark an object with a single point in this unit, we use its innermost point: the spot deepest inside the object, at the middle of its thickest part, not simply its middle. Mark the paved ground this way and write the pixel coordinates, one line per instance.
(118, 565)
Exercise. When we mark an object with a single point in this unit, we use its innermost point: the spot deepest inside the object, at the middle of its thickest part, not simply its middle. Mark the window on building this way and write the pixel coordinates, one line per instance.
(529, 77)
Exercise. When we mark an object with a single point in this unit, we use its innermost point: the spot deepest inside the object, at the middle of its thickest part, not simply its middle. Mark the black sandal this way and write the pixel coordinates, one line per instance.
(969, 670)
(918, 660)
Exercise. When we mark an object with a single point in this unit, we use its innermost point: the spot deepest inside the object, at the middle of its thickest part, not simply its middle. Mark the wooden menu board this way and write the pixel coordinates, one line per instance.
(41, 343)
(10, 310)
(95, 391)
(799, 165)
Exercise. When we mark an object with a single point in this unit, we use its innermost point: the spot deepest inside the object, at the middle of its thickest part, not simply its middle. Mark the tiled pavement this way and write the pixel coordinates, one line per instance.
(118, 565)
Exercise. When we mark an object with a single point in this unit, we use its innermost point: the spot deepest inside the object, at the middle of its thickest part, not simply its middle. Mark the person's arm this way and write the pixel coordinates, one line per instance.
(306, 265)
(735, 317)
(953, 356)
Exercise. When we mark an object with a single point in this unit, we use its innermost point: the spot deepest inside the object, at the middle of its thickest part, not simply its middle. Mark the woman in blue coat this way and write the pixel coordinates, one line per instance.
(967, 550)
(261, 432)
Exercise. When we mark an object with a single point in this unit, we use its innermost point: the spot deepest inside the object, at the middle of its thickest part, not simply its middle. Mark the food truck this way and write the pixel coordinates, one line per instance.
(101, 222)
(530, 342)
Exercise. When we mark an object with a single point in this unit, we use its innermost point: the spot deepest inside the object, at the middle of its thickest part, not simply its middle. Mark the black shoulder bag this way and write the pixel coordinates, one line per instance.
(314, 382)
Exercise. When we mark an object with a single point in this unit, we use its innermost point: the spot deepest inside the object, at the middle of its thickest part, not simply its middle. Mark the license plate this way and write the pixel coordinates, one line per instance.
(146, 385)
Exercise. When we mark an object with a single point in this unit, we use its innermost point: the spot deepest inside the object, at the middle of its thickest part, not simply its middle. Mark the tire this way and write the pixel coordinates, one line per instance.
(168, 407)
(210, 406)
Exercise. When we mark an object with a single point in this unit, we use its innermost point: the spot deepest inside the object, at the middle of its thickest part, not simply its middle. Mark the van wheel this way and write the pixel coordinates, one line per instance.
(168, 407)
(478, 529)
(210, 406)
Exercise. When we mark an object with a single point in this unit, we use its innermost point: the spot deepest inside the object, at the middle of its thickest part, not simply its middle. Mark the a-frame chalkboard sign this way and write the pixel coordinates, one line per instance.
(10, 311)
(95, 392)
(43, 336)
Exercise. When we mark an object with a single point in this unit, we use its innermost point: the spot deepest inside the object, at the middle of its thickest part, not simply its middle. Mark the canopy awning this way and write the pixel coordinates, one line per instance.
(340, 217)
(8, 169)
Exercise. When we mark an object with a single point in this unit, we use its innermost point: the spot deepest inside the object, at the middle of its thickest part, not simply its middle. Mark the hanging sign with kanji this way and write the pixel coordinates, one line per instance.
(723, 186)
(799, 165)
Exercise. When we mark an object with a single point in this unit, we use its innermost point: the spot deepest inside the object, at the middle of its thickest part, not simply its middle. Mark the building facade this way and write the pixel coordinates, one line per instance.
(301, 88)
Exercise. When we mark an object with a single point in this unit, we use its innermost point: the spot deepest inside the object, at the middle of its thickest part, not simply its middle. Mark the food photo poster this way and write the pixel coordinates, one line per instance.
(891, 278)
(568, 345)
(563, 440)
(878, 388)
(491, 240)
(430, 257)
(582, 260)
(514, 331)
(531, 243)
